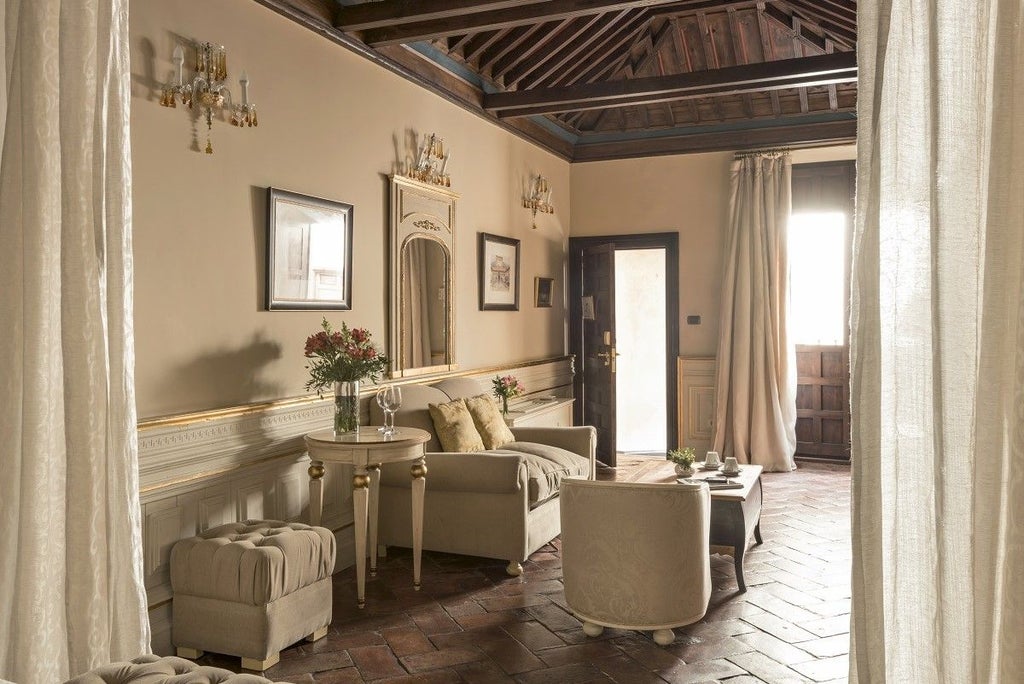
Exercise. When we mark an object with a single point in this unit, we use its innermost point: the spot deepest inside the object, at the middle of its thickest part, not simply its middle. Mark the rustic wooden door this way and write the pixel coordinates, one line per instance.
(823, 372)
(598, 355)
(823, 402)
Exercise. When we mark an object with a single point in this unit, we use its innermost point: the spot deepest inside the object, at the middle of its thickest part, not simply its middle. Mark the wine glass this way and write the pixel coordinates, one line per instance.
(389, 398)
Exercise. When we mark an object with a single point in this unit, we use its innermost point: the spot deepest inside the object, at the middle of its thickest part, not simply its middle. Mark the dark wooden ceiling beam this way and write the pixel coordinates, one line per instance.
(543, 37)
(568, 35)
(544, 67)
(797, 134)
(605, 55)
(840, 67)
(371, 15)
(522, 13)
(479, 42)
(515, 37)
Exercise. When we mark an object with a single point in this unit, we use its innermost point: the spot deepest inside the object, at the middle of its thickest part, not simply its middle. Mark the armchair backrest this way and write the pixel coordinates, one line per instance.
(636, 555)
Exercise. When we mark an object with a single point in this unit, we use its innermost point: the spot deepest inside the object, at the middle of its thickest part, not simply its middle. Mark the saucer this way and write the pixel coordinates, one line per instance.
(731, 473)
(704, 466)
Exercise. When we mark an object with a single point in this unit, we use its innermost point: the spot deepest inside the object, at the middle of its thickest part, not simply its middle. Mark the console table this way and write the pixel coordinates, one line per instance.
(553, 412)
(366, 450)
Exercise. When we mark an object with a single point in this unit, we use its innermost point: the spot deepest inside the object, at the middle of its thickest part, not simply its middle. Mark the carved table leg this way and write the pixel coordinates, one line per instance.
(316, 492)
(419, 485)
(360, 494)
(374, 472)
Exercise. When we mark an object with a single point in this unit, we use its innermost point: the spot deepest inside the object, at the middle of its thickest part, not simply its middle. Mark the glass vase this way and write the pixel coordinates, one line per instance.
(346, 407)
(504, 406)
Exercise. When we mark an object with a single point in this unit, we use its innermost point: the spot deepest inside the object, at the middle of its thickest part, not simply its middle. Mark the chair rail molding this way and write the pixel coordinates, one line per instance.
(200, 470)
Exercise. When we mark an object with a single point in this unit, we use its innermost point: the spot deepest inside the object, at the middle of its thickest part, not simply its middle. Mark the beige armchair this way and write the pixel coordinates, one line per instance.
(635, 555)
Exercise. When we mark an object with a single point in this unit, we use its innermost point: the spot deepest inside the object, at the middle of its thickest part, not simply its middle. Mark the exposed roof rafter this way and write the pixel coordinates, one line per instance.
(840, 67)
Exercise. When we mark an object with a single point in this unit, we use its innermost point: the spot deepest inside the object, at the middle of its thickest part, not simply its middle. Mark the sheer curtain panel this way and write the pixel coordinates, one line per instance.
(937, 358)
(755, 406)
(71, 593)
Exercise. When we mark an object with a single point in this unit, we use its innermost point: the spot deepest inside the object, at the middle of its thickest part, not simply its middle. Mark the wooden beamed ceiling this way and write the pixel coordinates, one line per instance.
(598, 79)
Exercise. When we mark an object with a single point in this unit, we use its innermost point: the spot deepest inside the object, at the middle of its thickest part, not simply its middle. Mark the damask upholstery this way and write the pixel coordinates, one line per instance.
(454, 426)
(251, 588)
(489, 422)
(636, 555)
(151, 669)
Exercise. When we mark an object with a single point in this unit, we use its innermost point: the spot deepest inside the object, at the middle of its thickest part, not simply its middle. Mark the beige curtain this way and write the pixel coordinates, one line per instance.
(755, 408)
(71, 590)
(937, 349)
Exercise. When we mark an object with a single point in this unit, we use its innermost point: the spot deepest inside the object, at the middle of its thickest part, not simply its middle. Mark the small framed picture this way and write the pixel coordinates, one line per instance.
(587, 307)
(499, 273)
(542, 292)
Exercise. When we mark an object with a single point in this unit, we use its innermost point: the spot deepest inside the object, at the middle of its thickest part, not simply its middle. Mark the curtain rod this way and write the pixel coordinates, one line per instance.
(768, 151)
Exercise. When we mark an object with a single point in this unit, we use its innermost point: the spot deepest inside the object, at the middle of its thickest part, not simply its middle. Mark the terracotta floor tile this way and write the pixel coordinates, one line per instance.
(473, 623)
(447, 657)
(376, 662)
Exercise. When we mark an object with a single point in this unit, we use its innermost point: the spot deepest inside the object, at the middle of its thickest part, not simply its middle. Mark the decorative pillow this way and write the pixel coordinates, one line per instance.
(489, 422)
(454, 426)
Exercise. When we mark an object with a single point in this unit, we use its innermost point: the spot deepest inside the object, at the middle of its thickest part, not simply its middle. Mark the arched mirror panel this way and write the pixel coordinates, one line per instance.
(422, 278)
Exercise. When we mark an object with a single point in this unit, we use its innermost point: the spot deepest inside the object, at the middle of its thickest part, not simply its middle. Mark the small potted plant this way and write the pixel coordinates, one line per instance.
(683, 458)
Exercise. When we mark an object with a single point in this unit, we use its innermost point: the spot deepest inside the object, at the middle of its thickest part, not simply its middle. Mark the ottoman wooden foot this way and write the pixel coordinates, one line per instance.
(190, 653)
(317, 635)
(261, 665)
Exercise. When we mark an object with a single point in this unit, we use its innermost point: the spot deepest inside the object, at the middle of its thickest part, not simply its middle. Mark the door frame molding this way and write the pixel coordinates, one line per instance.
(574, 290)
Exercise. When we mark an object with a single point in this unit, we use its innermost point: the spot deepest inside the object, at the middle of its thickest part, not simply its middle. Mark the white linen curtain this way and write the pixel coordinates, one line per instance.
(71, 592)
(937, 358)
(755, 407)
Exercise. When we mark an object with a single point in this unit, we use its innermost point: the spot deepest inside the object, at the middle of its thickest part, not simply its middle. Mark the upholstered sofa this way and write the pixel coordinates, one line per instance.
(499, 503)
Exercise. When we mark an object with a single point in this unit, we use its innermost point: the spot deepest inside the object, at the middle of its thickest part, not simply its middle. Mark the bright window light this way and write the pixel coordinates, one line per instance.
(817, 271)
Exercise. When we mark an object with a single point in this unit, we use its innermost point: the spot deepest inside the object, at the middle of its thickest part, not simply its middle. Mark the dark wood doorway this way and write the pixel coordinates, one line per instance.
(823, 372)
(592, 336)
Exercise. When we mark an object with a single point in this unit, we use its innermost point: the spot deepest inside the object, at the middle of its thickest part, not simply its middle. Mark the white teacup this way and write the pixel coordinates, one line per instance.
(711, 460)
(730, 465)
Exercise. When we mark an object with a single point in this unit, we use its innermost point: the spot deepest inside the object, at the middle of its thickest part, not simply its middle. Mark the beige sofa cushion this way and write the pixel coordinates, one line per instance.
(489, 423)
(546, 466)
(454, 426)
(252, 562)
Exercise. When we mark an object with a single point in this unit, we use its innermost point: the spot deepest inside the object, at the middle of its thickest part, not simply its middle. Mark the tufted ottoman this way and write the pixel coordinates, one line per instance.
(250, 589)
(152, 669)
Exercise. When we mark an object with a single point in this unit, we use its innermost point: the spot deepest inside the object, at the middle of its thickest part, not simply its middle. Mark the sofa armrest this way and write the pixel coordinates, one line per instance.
(580, 440)
(484, 472)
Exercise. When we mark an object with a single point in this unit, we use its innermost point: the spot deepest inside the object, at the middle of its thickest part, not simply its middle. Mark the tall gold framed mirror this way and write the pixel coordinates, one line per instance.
(422, 278)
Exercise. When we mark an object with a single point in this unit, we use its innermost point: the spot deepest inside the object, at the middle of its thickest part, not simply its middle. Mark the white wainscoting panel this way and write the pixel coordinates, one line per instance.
(696, 403)
(198, 471)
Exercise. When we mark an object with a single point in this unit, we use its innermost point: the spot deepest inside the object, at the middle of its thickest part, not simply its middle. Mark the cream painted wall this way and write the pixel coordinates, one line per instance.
(330, 124)
(688, 194)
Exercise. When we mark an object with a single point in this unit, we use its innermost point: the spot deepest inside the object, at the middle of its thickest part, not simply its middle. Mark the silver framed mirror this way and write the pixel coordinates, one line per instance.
(422, 278)
(309, 252)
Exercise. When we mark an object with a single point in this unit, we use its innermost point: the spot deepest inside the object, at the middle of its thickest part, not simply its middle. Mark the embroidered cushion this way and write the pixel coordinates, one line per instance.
(489, 423)
(454, 426)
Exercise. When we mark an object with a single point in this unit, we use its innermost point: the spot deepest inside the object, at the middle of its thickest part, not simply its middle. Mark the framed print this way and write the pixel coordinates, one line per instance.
(309, 252)
(499, 273)
(542, 291)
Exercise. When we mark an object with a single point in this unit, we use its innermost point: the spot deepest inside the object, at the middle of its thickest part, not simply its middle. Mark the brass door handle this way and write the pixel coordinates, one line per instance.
(609, 357)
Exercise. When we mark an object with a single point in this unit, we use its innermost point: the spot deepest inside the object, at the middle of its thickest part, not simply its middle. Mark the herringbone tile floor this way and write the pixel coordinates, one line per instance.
(472, 623)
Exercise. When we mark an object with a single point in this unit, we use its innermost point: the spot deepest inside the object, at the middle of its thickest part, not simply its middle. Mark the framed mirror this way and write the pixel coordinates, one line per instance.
(422, 282)
(309, 252)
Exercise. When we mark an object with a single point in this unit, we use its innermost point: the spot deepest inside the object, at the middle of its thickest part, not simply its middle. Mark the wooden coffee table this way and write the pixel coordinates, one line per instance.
(735, 513)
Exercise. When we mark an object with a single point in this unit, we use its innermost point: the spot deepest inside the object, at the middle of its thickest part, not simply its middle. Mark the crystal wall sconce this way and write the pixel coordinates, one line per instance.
(208, 88)
(539, 198)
